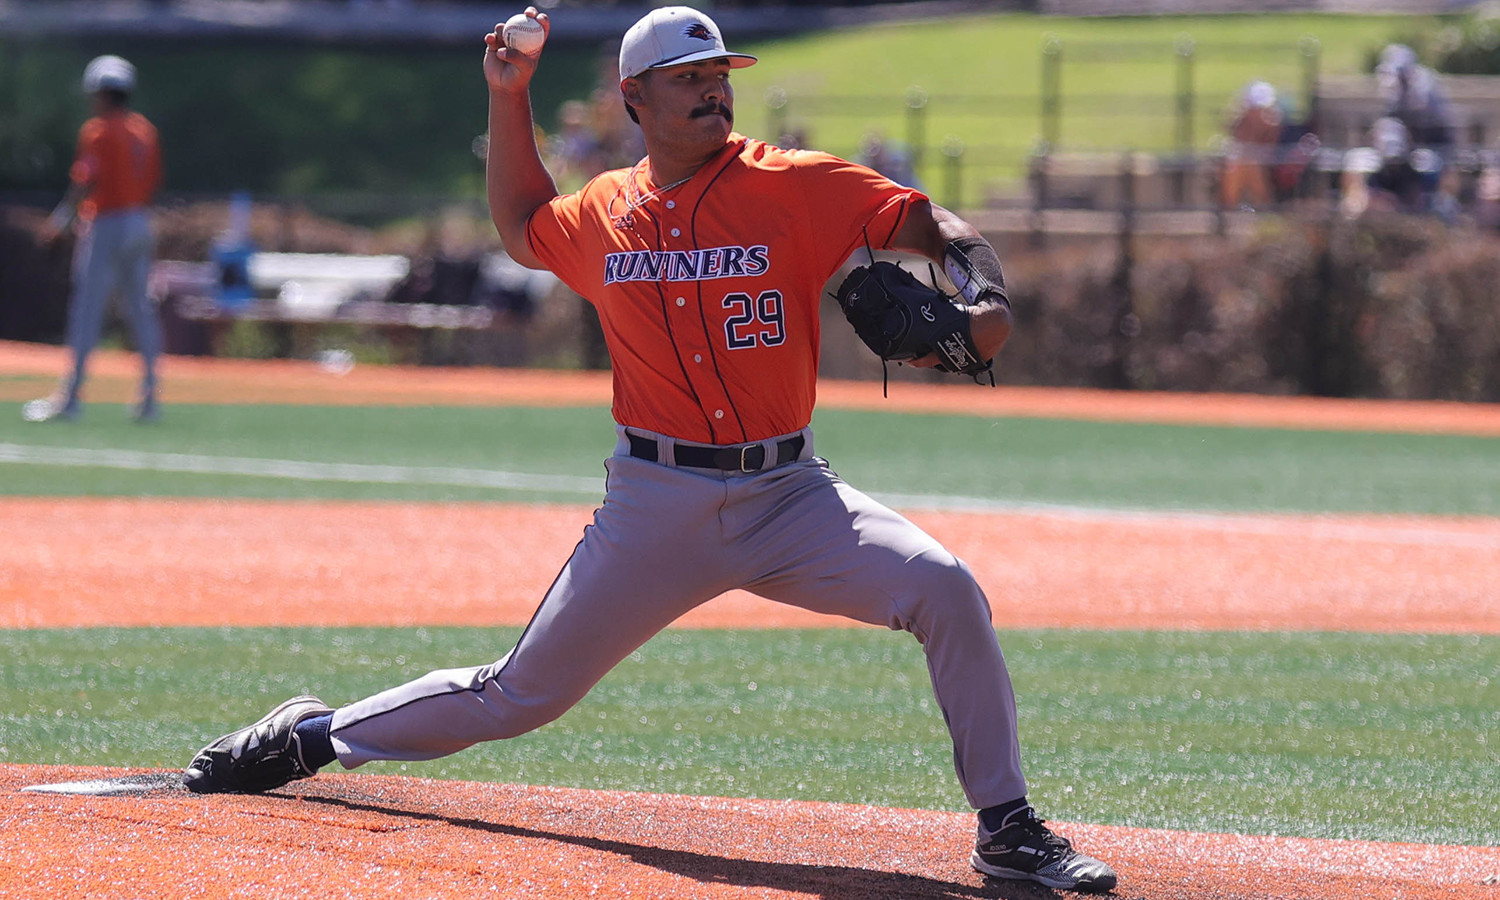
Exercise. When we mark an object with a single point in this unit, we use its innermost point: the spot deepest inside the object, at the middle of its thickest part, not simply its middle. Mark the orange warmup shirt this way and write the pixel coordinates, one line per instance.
(709, 293)
(119, 156)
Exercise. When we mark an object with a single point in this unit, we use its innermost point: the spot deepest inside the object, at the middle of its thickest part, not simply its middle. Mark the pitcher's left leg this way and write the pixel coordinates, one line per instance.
(830, 548)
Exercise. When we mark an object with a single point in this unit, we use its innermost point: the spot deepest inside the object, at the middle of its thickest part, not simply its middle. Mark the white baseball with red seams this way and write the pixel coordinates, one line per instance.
(524, 34)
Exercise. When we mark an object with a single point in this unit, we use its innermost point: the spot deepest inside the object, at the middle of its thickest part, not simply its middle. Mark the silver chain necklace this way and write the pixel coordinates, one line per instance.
(634, 199)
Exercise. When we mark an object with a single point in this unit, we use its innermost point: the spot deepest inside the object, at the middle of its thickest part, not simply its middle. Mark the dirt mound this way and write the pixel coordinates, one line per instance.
(370, 835)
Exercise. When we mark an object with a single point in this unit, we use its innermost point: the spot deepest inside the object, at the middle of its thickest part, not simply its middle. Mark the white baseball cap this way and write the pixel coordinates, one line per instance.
(671, 36)
(1260, 94)
(108, 73)
(1397, 57)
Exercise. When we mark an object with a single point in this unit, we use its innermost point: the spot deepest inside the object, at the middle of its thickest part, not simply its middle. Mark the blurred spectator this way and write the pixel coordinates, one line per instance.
(620, 141)
(442, 272)
(1446, 203)
(795, 139)
(1254, 136)
(1487, 197)
(445, 270)
(575, 150)
(594, 135)
(1413, 95)
(1390, 174)
(890, 160)
(1297, 146)
(510, 289)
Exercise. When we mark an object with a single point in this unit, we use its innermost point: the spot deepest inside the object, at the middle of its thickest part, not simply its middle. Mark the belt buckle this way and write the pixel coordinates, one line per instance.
(745, 453)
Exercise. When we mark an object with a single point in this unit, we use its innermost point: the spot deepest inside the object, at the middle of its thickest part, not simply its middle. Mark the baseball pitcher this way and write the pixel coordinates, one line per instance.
(706, 261)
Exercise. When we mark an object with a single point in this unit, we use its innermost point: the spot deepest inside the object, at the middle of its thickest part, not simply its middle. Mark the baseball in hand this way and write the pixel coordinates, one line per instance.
(524, 34)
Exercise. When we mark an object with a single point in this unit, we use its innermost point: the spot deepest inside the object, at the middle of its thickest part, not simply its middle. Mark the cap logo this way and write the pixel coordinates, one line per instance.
(700, 31)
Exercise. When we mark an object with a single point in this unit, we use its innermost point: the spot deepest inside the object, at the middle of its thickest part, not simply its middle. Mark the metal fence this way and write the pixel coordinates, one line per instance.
(953, 142)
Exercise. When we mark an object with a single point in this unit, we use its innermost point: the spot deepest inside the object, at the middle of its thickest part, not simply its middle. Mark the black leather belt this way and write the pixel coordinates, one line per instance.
(735, 458)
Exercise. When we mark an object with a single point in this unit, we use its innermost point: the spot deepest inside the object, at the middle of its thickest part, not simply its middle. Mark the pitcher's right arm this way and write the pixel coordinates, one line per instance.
(516, 180)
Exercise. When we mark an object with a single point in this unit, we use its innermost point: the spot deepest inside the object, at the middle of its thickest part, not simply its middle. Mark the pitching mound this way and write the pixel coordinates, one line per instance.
(369, 835)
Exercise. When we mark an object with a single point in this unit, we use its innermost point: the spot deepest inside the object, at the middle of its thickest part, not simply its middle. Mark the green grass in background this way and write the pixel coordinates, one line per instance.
(1003, 461)
(983, 74)
(1322, 735)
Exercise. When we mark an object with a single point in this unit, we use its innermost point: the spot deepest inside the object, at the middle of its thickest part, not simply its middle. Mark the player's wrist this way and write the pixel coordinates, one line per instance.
(974, 268)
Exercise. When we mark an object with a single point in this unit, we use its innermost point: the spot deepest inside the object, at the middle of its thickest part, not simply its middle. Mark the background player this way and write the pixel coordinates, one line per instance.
(706, 261)
(113, 180)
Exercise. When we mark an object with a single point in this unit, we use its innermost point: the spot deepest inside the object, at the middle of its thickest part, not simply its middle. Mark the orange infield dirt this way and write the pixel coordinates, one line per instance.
(384, 836)
(213, 562)
(192, 562)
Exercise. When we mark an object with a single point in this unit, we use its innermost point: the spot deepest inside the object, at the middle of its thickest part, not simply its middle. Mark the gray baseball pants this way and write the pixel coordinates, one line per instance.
(668, 539)
(114, 254)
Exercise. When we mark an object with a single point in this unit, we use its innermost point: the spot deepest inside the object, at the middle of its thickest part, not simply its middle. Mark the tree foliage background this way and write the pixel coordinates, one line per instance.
(275, 119)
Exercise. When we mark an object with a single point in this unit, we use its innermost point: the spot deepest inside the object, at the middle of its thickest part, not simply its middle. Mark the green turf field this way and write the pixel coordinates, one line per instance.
(453, 453)
(1326, 735)
(1371, 736)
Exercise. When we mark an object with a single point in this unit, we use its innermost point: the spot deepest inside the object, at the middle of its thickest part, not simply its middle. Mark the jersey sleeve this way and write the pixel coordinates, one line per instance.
(852, 205)
(558, 234)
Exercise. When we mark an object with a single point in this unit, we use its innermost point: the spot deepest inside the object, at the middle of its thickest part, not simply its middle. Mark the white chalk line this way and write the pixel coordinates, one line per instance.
(1271, 524)
(300, 470)
(1274, 525)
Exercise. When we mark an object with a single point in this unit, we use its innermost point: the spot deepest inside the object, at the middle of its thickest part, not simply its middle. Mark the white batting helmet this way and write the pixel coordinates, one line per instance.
(108, 73)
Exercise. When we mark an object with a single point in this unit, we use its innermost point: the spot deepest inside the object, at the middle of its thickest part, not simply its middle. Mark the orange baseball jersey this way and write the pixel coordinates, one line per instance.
(119, 156)
(708, 292)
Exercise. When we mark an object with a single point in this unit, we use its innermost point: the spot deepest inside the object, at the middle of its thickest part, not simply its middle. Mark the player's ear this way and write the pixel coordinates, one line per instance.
(632, 89)
(631, 94)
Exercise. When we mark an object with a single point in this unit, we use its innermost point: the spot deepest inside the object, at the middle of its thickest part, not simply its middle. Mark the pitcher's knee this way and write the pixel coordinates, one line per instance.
(941, 586)
(524, 703)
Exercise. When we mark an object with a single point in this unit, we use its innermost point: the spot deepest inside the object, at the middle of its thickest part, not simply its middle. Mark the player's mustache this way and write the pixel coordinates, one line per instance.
(709, 109)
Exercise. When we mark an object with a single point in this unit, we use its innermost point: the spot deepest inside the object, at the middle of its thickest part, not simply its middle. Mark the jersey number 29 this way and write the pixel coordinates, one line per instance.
(755, 320)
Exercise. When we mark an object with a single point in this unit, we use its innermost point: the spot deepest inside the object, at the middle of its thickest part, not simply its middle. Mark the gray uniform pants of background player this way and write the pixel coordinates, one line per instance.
(113, 255)
(669, 539)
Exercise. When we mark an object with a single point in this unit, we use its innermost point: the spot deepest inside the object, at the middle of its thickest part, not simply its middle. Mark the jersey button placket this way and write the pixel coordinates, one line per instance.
(708, 387)
(698, 356)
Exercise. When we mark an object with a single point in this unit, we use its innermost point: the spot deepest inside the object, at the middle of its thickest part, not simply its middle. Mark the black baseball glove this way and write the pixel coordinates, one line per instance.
(901, 318)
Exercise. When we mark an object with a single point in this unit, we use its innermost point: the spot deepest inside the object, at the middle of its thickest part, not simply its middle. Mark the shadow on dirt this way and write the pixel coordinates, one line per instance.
(826, 882)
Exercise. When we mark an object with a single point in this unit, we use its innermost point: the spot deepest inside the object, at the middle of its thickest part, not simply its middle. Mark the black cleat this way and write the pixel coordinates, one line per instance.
(263, 756)
(1027, 850)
